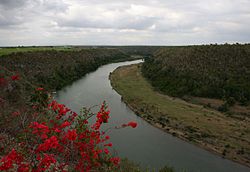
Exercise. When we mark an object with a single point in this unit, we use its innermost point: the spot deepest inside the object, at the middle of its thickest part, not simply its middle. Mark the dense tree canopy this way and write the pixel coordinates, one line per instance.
(215, 71)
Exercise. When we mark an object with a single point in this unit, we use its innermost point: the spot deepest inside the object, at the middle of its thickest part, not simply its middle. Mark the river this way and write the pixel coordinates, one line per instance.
(145, 144)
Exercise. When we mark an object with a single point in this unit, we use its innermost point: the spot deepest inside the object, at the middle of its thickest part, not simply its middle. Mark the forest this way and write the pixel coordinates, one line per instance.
(211, 71)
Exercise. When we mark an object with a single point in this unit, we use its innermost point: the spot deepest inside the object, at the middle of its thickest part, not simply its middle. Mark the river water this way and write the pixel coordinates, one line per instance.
(145, 144)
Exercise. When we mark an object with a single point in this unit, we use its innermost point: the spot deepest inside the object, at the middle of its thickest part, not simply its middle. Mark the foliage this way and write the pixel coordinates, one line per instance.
(214, 71)
(57, 139)
(48, 69)
(129, 166)
(37, 138)
(52, 69)
(139, 50)
(10, 50)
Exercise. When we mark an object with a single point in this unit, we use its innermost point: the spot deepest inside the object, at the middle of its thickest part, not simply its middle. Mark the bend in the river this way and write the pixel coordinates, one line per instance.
(146, 144)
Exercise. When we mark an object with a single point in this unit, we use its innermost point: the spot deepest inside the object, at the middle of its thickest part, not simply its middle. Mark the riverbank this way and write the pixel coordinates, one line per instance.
(20, 88)
(207, 128)
(50, 69)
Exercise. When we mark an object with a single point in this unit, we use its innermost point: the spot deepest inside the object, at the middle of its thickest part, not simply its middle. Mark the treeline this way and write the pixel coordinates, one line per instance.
(139, 50)
(142, 50)
(54, 69)
(213, 71)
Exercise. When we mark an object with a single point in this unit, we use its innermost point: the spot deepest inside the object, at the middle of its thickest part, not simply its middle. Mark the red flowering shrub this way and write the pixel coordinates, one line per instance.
(132, 124)
(62, 140)
(12, 158)
(15, 77)
(40, 89)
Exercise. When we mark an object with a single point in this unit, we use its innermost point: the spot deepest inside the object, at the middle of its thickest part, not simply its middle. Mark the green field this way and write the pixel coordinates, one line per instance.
(206, 127)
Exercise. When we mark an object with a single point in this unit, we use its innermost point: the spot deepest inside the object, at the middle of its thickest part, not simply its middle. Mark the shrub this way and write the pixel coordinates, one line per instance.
(59, 139)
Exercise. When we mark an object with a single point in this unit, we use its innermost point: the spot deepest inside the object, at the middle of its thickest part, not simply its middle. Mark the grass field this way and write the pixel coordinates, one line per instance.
(208, 128)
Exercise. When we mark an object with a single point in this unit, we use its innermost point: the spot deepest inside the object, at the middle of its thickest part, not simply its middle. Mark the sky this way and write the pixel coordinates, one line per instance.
(127, 22)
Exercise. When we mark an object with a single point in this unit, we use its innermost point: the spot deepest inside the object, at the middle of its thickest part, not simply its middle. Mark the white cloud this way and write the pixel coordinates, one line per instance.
(161, 22)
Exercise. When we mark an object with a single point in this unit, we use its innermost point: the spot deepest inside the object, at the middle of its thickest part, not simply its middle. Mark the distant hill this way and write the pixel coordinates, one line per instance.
(130, 49)
(213, 71)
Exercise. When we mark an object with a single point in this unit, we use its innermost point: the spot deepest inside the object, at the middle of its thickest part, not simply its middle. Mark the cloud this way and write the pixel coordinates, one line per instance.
(9, 14)
(162, 22)
(97, 17)
(19, 12)
(10, 4)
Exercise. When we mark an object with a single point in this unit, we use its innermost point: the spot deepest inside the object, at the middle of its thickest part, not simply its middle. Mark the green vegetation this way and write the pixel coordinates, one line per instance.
(129, 166)
(53, 69)
(206, 127)
(212, 71)
(10, 50)
(139, 50)
(130, 50)
(50, 70)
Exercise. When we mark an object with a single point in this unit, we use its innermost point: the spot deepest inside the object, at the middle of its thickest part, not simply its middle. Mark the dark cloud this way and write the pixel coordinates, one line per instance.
(10, 12)
(10, 4)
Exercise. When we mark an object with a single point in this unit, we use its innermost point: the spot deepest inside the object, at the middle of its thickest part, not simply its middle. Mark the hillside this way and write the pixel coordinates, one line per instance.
(54, 69)
(49, 69)
(210, 71)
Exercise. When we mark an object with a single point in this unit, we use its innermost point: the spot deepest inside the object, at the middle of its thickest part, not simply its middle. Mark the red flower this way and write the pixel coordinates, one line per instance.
(15, 77)
(39, 89)
(71, 135)
(57, 130)
(65, 124)
(39, 129)
(106, 151)
(10, 159)
(109, 144)
(61, 136)
(46, 162)
(115, 160)
(50, 143)
(132, 124)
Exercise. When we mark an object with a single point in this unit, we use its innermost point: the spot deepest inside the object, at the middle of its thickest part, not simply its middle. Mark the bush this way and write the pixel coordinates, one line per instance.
(58, 139)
